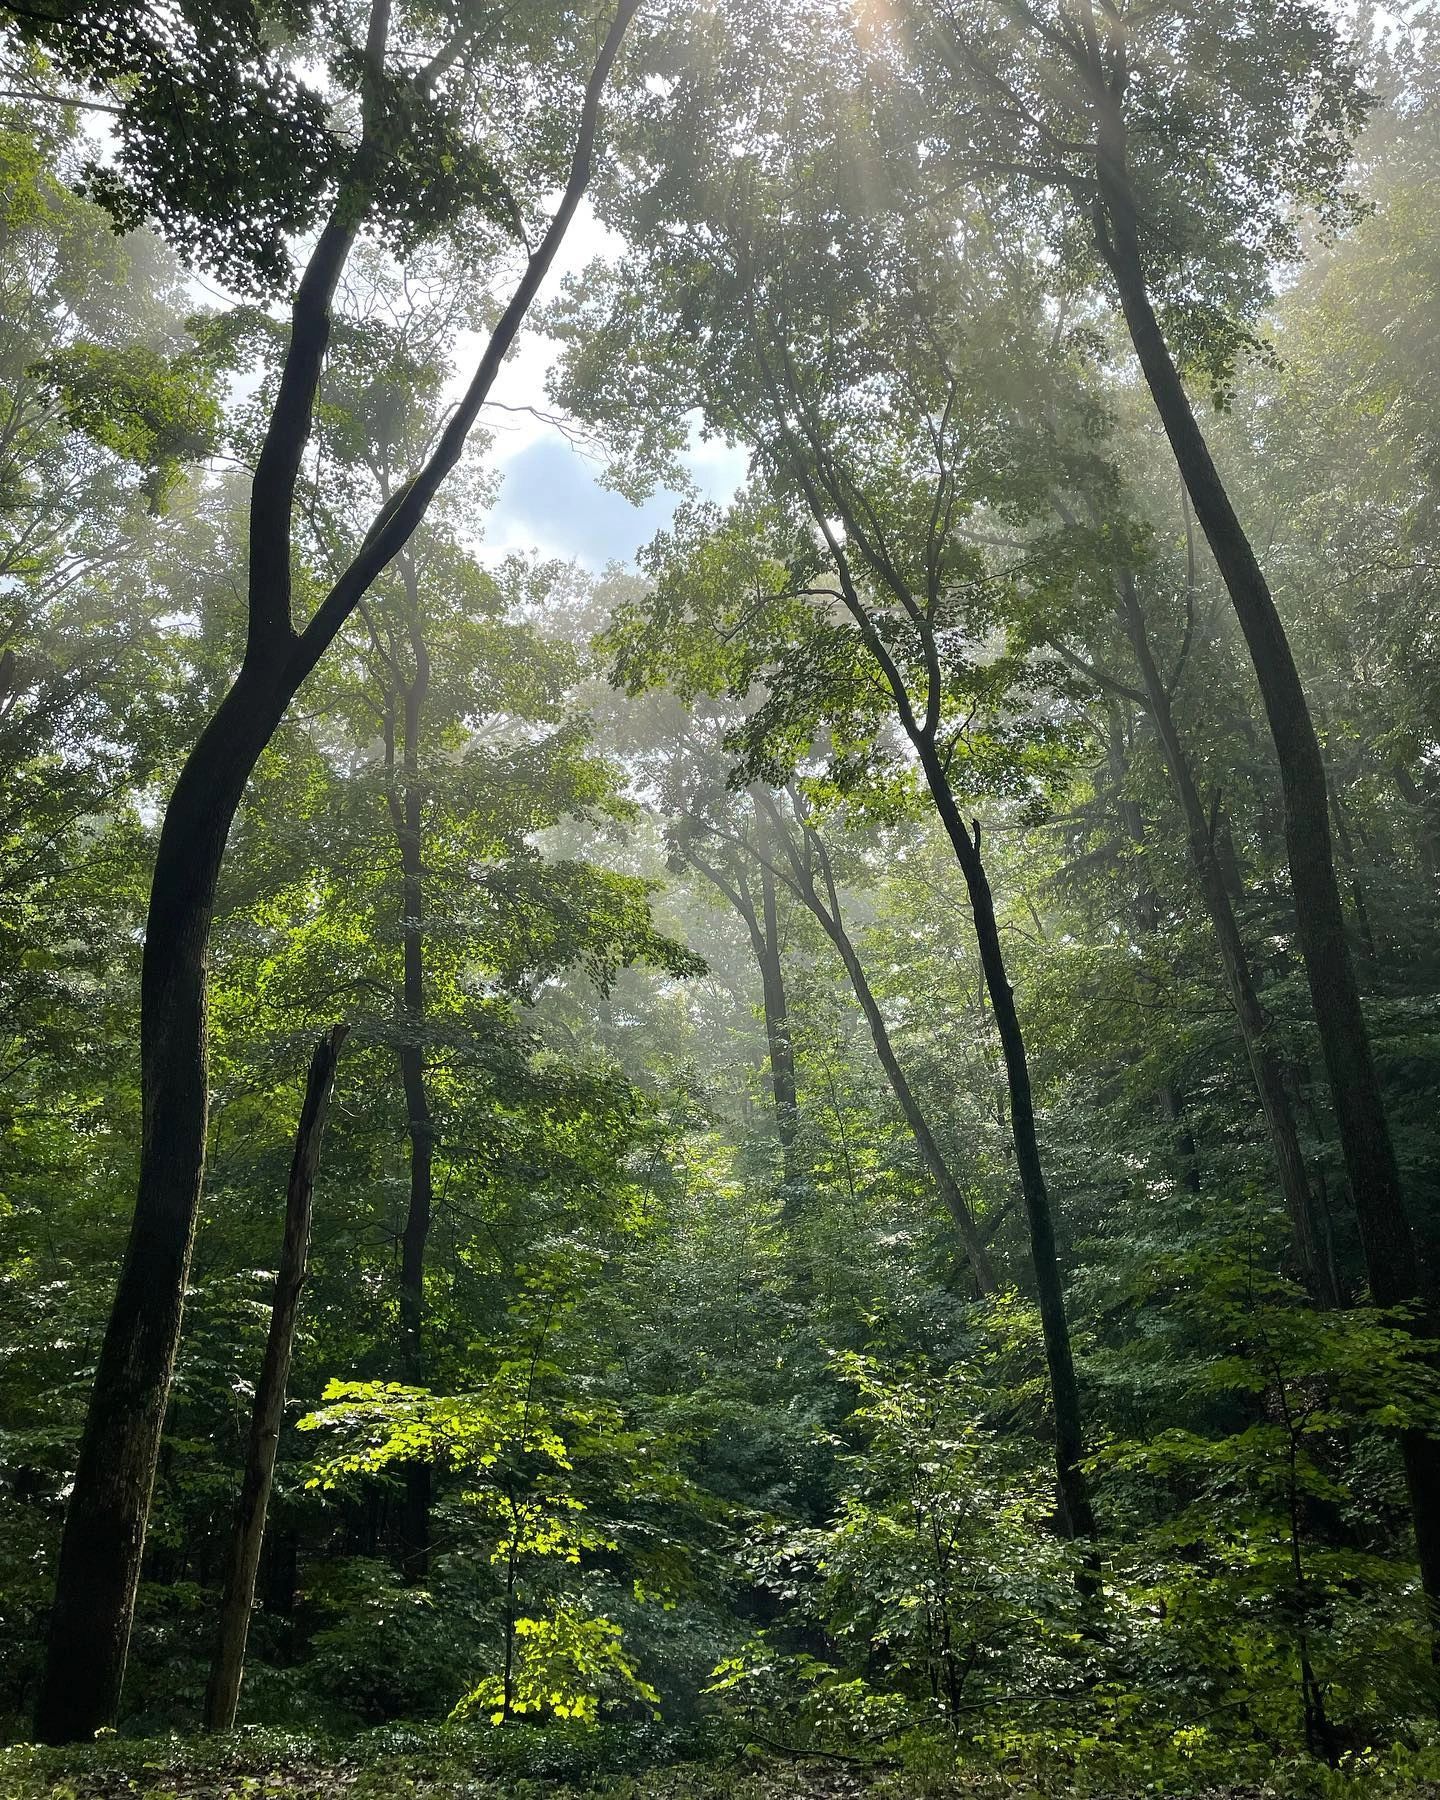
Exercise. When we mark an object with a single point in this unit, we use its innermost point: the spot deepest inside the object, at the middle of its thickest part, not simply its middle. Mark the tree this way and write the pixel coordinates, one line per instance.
(734, 874)
(782, 333)
(1187, 200)
(105, 1525)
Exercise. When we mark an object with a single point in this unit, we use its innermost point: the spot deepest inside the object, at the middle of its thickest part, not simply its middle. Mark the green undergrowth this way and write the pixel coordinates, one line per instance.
(630, 1764)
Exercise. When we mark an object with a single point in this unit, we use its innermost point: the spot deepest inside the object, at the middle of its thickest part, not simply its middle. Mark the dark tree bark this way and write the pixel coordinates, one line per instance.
(223, 1693)
(1077, 1516)
(1385, 1233)
(1173, 1106)
(829, 497)
(104, 1534)
(1250, 1015)
(105, 1522)
(407, 809)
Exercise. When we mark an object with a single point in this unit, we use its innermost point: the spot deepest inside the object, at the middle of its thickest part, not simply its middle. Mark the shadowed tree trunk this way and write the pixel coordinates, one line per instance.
(223, 1693)
(1385, 1233)
(104, 1535)
(1250, 1014)
(830, 498)
(406, 802)
(1077, 1516)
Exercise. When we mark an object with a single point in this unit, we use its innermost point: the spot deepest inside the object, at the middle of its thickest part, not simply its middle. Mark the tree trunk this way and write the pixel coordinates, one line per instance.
(1250, 1015)
(1421, 804)
(104, 1534)
(777, 1026)
(1077, 1516)
(1374, 1174)
(764, 929)
(1146, 910)
(223, 1693)
(833, 924)
(407, 812)
(930, 1152)
(1369, 946)
(1172, 1105)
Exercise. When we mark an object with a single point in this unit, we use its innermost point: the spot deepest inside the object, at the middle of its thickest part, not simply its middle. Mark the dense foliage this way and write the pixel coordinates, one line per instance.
(836, 1234)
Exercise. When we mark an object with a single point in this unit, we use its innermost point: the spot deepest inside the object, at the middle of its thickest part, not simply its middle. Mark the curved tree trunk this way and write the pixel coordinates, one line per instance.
(1250, 1015)
(105, 1523)
(1374, 1174)
(828, 500)
(827, 911)
(104, 1535)
(1077, 1515)
(223, 1693)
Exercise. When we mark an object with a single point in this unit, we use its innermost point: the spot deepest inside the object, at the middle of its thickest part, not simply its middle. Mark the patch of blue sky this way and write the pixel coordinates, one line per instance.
(552, 502)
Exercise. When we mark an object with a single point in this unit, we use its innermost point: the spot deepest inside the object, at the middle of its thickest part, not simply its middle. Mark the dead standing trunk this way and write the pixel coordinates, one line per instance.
(223, 1693)
(104, 1535)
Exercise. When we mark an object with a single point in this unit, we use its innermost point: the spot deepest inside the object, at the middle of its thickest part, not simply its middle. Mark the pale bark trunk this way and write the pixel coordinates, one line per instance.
(777, 1029)
(828, 912)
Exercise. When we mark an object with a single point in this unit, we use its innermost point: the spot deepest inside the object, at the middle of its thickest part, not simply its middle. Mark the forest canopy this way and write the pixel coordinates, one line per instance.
(803, 1161)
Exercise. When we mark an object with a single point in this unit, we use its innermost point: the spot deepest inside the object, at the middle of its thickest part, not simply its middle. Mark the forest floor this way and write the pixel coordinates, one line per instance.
(172, 1771)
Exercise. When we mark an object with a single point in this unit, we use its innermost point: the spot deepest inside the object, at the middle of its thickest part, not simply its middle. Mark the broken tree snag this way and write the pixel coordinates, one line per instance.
(223, 1693)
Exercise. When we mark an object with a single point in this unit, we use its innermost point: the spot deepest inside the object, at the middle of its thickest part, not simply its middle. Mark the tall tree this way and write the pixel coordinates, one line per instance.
(785, 846)
(105, 1523)
(1255, 1027)
(801, 854)
(785, 327)
(735, 874)
(1187, 194)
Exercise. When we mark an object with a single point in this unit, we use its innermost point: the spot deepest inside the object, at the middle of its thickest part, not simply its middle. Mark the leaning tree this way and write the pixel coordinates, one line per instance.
(407, 124)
